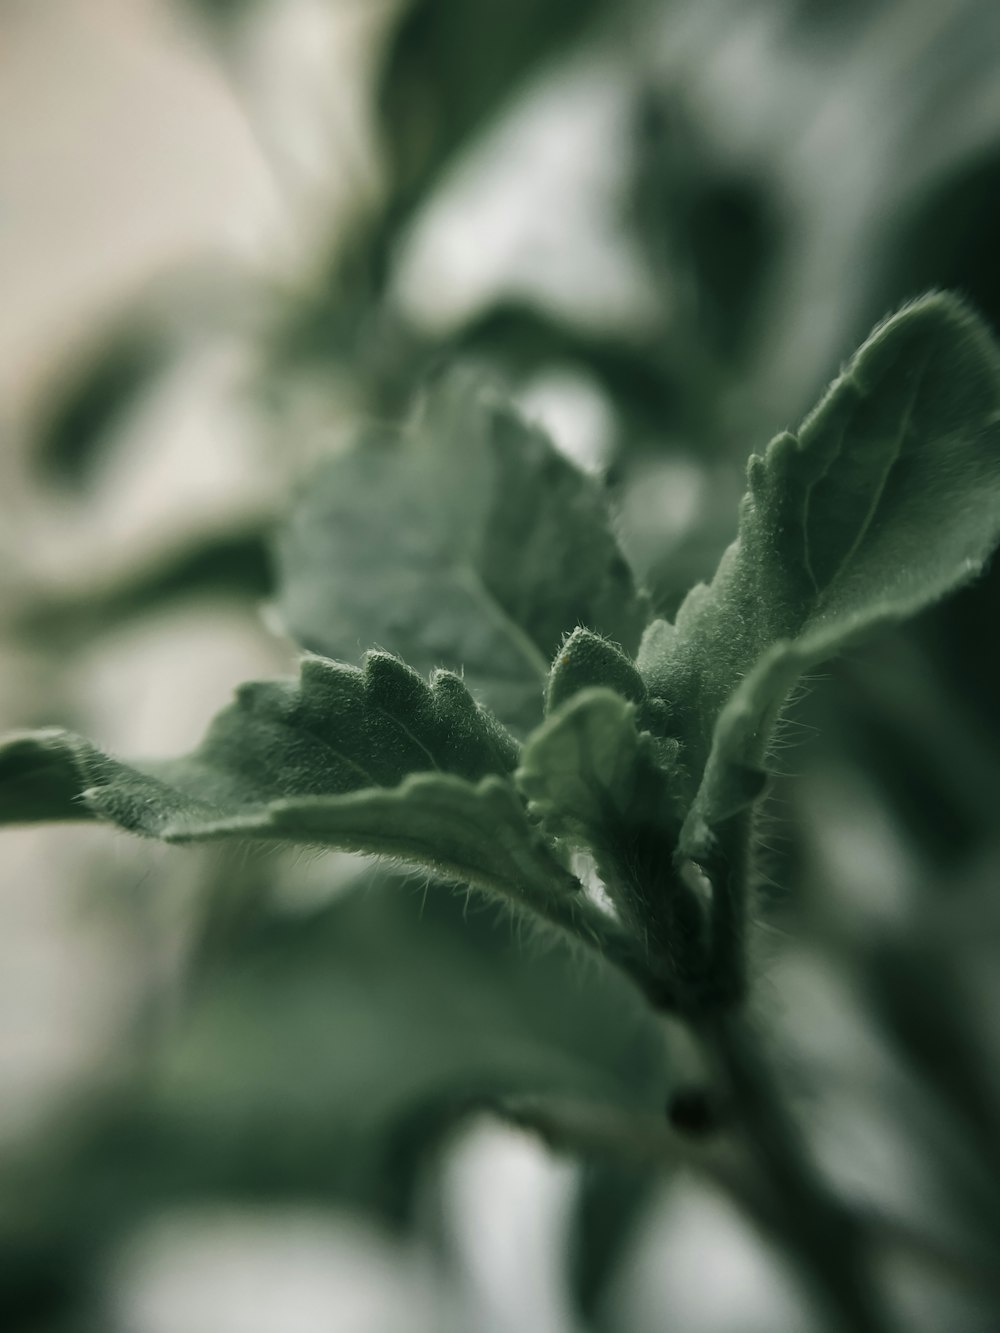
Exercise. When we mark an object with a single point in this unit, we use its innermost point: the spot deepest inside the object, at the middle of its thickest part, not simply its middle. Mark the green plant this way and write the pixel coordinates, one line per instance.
(523, 725)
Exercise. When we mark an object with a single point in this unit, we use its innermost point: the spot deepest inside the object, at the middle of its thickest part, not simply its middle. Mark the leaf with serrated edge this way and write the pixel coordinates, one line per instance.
(887, 499)
(370, 760)
(43, 775)
(587, 768)
(468, 543)
(596, 781)
(476, 833)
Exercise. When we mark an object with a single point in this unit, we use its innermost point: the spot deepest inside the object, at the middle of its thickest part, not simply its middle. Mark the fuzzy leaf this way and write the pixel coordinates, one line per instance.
(369, 760)
(588, 769)
(392, 1001)
(476, 833)
(586, 660)
(469, 543)
(598, 782)
(886, 499)
(42, 776)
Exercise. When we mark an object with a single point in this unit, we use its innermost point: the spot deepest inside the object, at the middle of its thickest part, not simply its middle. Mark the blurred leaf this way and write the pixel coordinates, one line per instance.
(914, 985)
(825, 21)
(469, 543)
(223, 15)
(40, 779)
(887, 712)
(888, 498)
(417, 1000)
(451, 65)
(319, 1044)
(92, 394)
(525, 340)
(947, 238)
(713, 230)
(612, 1204)
(233, 564)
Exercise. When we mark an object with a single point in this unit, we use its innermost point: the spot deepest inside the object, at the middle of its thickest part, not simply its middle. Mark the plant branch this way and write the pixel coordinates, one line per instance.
(728, 872)
(826, 1237)
(577, 916)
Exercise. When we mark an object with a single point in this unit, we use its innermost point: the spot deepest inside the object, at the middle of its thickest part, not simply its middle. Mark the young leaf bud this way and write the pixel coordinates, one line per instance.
(586, 660)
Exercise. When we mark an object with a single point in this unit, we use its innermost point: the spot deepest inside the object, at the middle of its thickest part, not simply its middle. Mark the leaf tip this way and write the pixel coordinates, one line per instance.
(942, 337)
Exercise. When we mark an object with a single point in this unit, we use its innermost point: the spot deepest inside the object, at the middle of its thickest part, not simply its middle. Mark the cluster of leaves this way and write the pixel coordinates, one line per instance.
(490, 698)
(470, 548)
(467, 543)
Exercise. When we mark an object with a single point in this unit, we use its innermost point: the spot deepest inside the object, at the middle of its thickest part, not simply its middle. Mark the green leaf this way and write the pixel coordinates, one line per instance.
(451, 65)
(586, 660)
(612, 1202)
(322, 1060)
(587, 769)
(711, 230)
(474, 833)
(411, 997)
(469, 543)
(524, 337)
(42, 777)
(233, 564)
(371, 760)
(93, 393)
(886, 499)
(597, 782)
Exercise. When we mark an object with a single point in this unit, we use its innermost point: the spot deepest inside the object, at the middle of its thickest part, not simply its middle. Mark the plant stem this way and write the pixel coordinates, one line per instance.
(827, 1240)
(791, 1201)
(728, 872)
(577, 917)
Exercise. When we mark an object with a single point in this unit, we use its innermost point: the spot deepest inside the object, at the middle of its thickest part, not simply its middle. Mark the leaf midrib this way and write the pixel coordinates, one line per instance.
(824, 594)
(470, 578)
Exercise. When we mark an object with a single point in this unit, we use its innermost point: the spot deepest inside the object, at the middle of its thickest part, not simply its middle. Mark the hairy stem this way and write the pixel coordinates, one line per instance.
(578, 917)
(728, 872)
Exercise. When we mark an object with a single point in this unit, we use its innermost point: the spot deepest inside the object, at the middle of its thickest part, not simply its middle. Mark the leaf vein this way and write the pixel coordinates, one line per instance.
(472, 581)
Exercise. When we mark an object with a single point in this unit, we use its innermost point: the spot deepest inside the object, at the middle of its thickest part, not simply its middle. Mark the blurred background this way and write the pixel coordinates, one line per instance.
(231, 230)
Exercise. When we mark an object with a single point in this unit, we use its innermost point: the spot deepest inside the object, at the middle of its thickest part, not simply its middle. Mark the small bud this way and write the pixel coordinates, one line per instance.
(586, 660)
